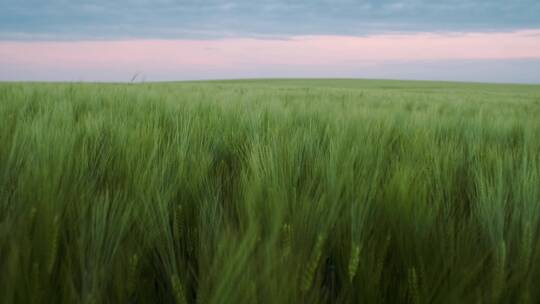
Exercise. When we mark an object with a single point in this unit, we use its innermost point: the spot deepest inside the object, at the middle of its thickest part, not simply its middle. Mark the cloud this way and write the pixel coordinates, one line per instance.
(418, 55)
(169, 19)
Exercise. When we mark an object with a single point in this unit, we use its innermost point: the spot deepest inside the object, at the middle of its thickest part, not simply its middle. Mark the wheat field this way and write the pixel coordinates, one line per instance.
(270, 191)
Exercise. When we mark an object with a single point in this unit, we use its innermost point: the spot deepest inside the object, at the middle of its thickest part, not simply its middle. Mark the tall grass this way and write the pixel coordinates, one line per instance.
(269, 192)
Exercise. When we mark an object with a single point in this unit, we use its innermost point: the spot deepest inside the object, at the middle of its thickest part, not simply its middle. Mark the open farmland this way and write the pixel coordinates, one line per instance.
(270, 191)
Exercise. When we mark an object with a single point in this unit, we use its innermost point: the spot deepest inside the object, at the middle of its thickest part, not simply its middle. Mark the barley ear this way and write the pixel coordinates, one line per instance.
(177, 222)
(133, 265)
(379, 264)
(33, 213)
(313, 262)
(287, 239)
(54, 244)
(499, 273)
(178, 290)
(525, 261)
(36, 294)
(526, 246)
(353, 261)
(413, 286)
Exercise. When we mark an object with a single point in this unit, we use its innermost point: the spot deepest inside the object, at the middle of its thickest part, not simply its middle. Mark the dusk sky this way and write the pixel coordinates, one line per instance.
(475, 40)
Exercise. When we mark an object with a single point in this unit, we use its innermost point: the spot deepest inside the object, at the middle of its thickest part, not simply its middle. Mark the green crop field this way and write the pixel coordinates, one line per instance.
(270, 191)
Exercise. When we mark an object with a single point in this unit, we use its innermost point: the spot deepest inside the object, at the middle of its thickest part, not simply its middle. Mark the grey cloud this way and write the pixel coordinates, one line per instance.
(30, 19)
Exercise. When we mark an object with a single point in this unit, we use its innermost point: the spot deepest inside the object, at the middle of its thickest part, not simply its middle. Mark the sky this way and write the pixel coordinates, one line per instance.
(163, 40)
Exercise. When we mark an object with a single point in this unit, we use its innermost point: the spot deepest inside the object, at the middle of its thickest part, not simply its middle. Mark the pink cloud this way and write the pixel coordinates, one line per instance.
(151, 56)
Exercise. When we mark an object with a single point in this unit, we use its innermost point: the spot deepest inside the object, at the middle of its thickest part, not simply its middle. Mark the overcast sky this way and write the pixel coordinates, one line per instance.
(476, 40)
